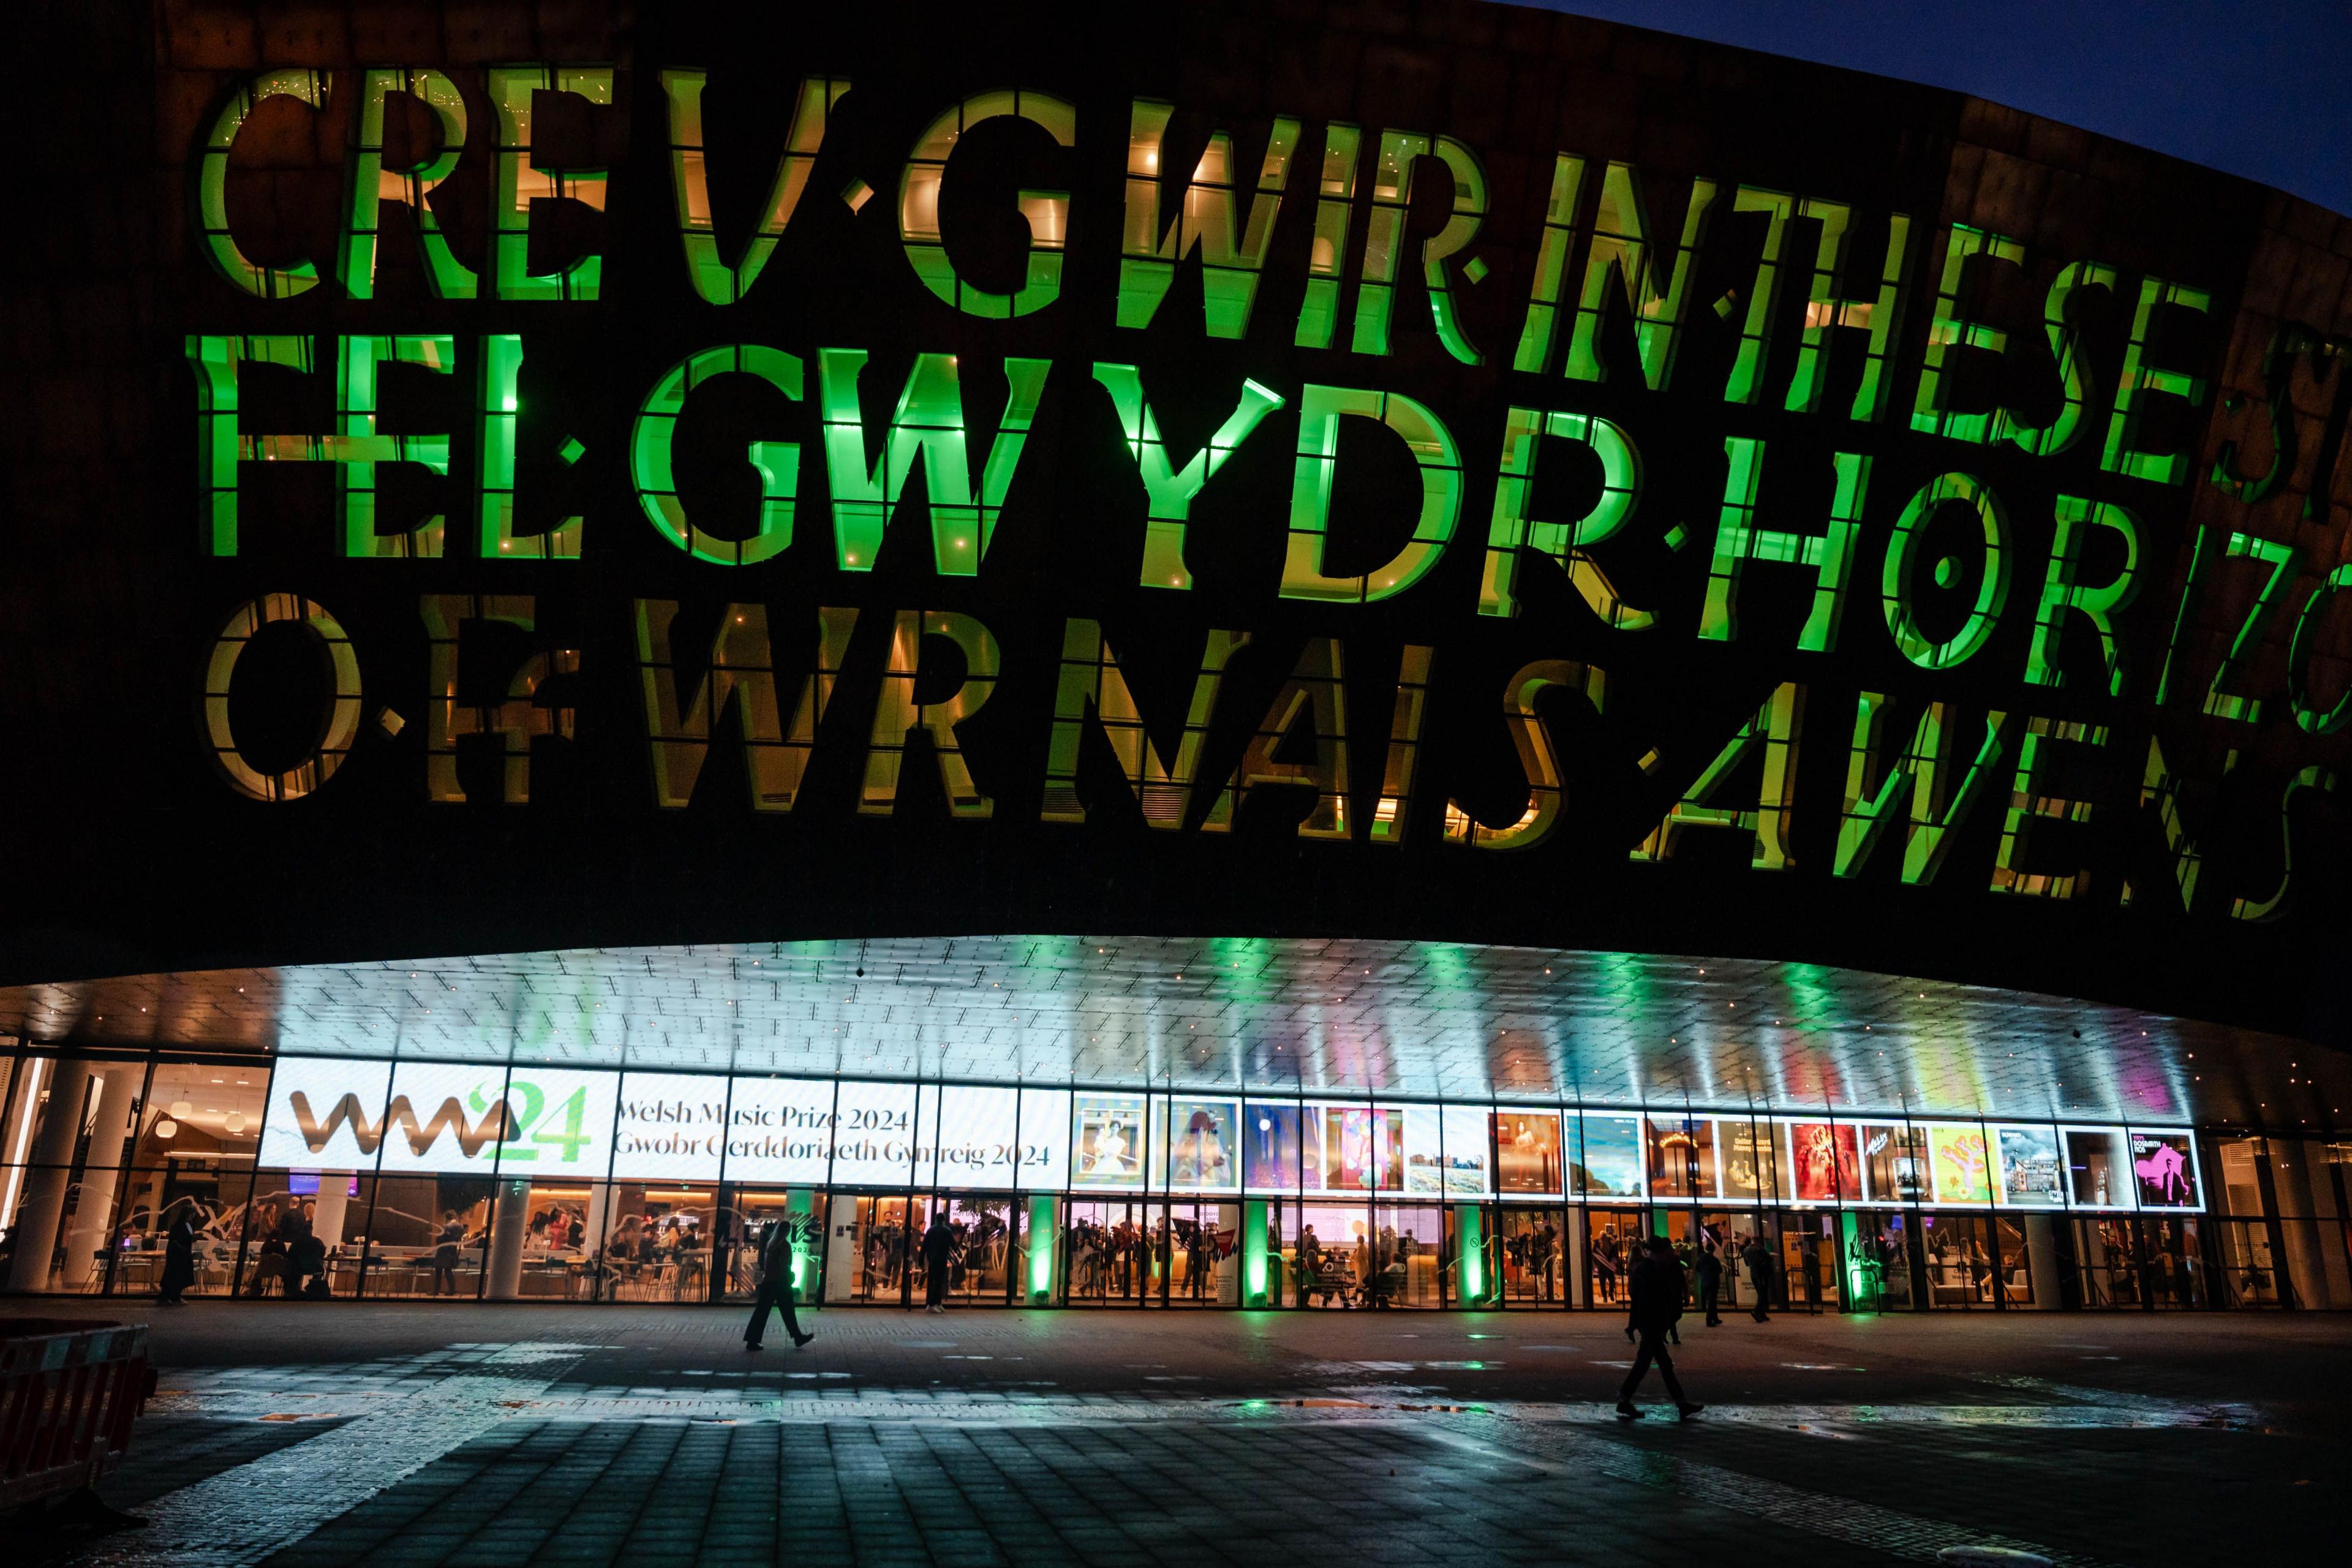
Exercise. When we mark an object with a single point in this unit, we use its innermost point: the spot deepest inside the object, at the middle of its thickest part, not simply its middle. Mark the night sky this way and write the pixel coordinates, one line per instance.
(2263, 90)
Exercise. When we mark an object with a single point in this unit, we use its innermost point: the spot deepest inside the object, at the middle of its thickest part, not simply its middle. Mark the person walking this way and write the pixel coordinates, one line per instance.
(1654, 1293)
(1709, 1269)
(444, 1253)
(775, 1265)
(179, 1260)
(938, 1245)
(1758, 1258)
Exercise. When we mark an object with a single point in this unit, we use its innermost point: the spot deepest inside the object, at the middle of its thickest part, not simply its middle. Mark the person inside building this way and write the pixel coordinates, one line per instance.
(444, 1253)
(179, 1258)
(939, 1248)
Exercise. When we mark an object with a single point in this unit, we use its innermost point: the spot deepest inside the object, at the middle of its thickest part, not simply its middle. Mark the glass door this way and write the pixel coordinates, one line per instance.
(1107, 1252)
(1407, 1241)
(868, 1249)
(1531, 1254)
(1883, 1261)
(1614, 1246)
(1196, 1260)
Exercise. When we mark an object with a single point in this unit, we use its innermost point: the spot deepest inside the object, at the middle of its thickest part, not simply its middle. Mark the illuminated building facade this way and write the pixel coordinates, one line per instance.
(1264, 660)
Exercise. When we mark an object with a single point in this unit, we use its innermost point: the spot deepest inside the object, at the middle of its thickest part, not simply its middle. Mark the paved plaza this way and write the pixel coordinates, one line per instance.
(299, 1434)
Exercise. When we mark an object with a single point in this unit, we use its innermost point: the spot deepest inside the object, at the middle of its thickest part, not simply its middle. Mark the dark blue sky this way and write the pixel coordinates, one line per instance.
(2259, 89)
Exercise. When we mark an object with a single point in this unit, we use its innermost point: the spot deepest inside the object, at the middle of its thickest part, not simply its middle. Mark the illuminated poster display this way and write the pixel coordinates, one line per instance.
(1526, 1151)
(448, 1117)
(1464, 1131)
(1956, 1153)
(1682, 1158)
(1203, 1145)
(967, 1137)
(2165, 1166)
(780, 1129)
(1424, 1161)
(1345, 1164)
(1894, 1162)
(670, 1126)
(324, 1114)
(2032, 1174)
(2098, 1170)
(1746, 1147)
(1107, 1146)
(1271, 1155)
(1613, 1162)
(1388, 1148)
(1046, 1134)
(874, 1136)
(1824, 1162)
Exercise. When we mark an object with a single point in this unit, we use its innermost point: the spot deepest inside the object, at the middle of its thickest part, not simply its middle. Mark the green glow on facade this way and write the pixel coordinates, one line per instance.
(1044, 1232)
(1470, 1254)
(1256, 1270)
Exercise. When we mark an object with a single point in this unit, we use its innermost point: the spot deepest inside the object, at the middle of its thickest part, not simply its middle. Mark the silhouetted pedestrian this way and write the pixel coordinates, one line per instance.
(1709, 1267)
(1655, 1293)
(179, 1260)
(1758, 1258)
(938, 1245)
(775, 1265)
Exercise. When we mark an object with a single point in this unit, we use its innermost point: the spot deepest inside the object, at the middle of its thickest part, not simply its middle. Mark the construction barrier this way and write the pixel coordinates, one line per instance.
(69, 1393)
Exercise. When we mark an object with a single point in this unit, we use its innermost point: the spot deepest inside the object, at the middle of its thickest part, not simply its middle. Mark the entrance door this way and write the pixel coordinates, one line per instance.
(1883, 1242)
(978, 1246)
(735, 1263)
(1105, 1252)
(1198, 1265)
(1808, 1261)
(867, 1250)
(1615, 1239)
(1408, 1240)
(1959, 1252)
(1531, 1253)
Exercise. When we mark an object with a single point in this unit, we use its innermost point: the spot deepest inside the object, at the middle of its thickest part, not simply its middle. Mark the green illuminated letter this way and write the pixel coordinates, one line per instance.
(1738, 541)
(1327, 258)
(897, 715)
(2074, 369)
(1774, 728)
(1383, 242)
(518, 182)
(1938, 809)
(1320, 412)
(1512, 529)
(212, 184)
(2027, 801)
(502, 415)
(2284, 560)
(1992, 592)
(1542, 326)
(1880, 317)
(1092, 682)
(741, 670)
(929, 428)
(1204, 222)
(1539, 763)
(1620, 251)
(1171, 490)
(779, 462)
(1314, 688)
(2311, 719)
(1951, 330)
(1047, 212)
(219, 445)
(716, 282)
(371, 185)
(2312, 777)
(2139, 379)
(2061, 591)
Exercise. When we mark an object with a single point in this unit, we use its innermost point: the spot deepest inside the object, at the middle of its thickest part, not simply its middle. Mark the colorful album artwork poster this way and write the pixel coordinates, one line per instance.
(1465, 1151)
(1388, 1148)
(1612, 1165)
(2098, 1172)
(1424, 1157)
(2032, 1174)
(1347, 1160)
(2165, 1165)
(1894, 1162)
(1746, 1150)
(1270, 1147)
(1962, 1172)
(1311, 1148)
(1108, 1151)
(1526, 1151)
(1824, 1162)
(1204, 1145)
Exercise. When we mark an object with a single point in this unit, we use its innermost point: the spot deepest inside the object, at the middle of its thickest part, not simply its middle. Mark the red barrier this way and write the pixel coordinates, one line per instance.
(68, 1393)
